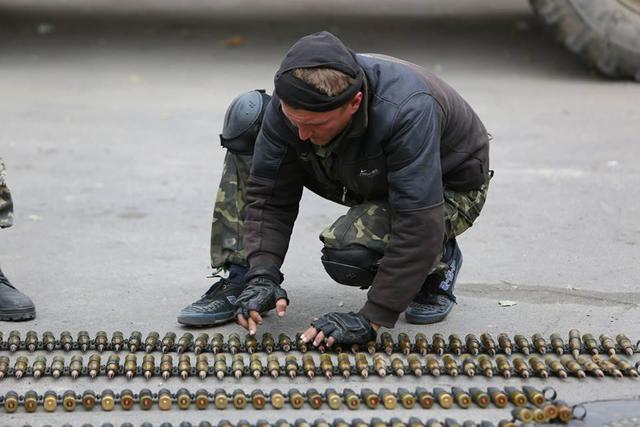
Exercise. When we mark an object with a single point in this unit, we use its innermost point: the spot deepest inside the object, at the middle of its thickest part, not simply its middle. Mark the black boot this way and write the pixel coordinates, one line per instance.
(217, 305)
(435, 300)
(14, 305)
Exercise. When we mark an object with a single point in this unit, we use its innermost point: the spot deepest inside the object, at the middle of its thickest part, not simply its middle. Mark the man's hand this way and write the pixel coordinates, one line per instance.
(343, 328)
(260, 295)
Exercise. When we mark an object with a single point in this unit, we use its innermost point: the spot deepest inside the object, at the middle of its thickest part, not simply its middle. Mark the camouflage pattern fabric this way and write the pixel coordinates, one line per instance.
(367, 224)
(228, 212)
(6, 204)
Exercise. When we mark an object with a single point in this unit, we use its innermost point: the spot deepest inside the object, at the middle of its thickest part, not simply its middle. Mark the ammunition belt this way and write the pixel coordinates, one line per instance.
(529, 404)
(222, 365)
(575, 344)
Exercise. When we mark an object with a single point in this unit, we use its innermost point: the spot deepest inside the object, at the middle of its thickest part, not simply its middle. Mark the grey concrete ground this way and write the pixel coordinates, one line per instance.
(109, 125)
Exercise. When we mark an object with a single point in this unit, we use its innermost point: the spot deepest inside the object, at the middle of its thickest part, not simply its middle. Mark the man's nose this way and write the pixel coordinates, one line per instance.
(304, 134)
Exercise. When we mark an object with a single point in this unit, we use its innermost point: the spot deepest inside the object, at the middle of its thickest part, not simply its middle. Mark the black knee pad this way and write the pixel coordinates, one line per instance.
(354, 265)
(243, 120)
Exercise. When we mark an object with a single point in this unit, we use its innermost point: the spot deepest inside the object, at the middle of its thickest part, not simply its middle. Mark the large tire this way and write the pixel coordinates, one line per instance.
(606, 33)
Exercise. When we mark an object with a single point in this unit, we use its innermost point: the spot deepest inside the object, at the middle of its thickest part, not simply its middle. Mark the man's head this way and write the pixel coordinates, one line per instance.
(322, 126)
(320, 85)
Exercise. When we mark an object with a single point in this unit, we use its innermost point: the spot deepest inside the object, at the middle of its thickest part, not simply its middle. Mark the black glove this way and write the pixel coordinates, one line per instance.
(345, 328)
(260, 295)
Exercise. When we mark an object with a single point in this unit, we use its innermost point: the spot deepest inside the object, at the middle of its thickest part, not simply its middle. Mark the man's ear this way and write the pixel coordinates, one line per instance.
(355, 102)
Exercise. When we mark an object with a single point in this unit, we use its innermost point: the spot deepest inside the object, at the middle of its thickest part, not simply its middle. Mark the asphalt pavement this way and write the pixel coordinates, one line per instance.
(109, 124)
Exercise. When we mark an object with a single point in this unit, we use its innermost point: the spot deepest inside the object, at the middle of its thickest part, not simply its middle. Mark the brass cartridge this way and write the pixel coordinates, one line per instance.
(300, 344)
(14, 341)
(450, 365)
(135, 341)
(415, 365)
(505, 343)
(258, 399)
(504, 367)
(11, 402)
(94, 365)
(201, 397)
(407, 399)
(239, 399)
(421, 343)
(75, 367)
(117, 341)
(39, 366)
(308, 365)
(370, 399)
(237, 365)
(575, 344)
(185, 342)
(557, 344)
(168, 342)
(556, 367)
(315, 400)
(273, 365)
(485, 365)
(296, 399)
(469, 366)
(31, 341)
(234, 343)
(362, 365)
(380, 364)
(624, 366)
(479, 397)
(522, 414)
(432, 366)
(107, 400)
(220, 365)
(523, 344)
(66, 341)
(516, 396)
(389, 400)
(126, 399)
(268, 343)
(326, 365)
(251, 343)
(57, 366)
(146, 399)
(220, 399)
(461, 397)
(166, 366)
(255, 365)
(608, 344)
(488, 343)
(498, 397)
(217, 343)
(607, 367)
(201, 342)
(397, 365)
(443, 397)
(521, 367)
(590, 344)
(202, 365)
(351, 399)
(425, 398)
(539, 343)
(284, 342)
(130, 365)
(472, 343)
(165, 400)
(538, 367)
(404, 343)
(148, 365)
(565, 413)
(101, 341)
(572, 366)
(20, 366)
(535, 397)
(50, 401)
(344, 364)
(455, 344)
(438, 344)
(48, 341)
(386, 342)
(30, 401)
(277, 399)
(590, 366)
(151, 342)
(625, 344)
(84, 341)
(291, 366)
(4, 366)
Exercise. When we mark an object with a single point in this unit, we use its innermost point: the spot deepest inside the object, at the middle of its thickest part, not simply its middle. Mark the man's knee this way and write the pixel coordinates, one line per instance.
(242, 121)
(353, 265)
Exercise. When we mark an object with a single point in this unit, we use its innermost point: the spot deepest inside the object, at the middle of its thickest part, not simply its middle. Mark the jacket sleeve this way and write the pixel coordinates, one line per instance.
(273, 195)
(417, 210)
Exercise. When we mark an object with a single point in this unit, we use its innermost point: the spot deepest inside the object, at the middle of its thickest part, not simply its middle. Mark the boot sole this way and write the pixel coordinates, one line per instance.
(206, 319)
(18, 315)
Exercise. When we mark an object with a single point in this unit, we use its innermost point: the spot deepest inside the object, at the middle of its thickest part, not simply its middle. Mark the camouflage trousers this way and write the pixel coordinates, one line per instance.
(6, 204)
(367, 224)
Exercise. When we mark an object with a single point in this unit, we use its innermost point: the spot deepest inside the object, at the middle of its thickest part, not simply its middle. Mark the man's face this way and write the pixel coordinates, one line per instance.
(322, 127)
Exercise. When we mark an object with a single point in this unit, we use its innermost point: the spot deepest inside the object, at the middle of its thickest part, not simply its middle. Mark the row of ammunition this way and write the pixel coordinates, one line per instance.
(529, 402)
(342, 364)
(338, 422)
(577, 344)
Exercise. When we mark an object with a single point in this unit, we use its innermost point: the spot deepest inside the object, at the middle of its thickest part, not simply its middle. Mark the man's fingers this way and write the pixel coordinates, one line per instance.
(330, 341)
(256, 317)
(242, 321)
(252, 326)
(318, 339)
(308, 335)
(281, 306)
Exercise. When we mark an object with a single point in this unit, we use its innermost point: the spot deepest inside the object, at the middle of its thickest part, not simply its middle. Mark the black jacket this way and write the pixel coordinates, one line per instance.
(412, 137)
